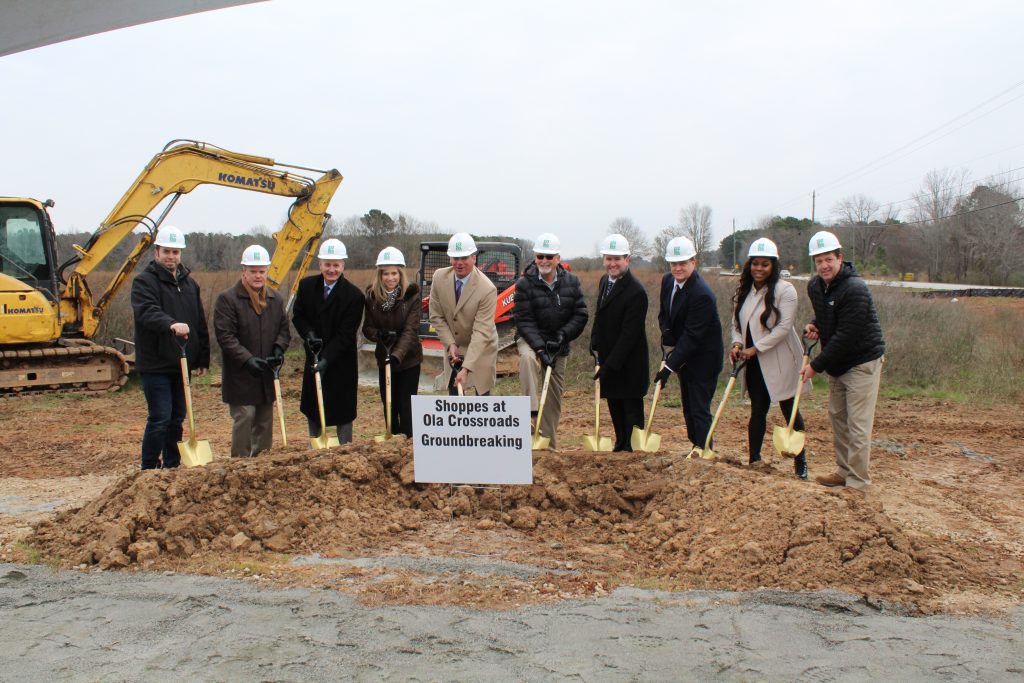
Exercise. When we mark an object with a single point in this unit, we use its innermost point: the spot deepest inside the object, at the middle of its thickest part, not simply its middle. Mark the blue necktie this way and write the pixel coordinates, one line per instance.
(458, 290)
(327, 291)
(608, 289)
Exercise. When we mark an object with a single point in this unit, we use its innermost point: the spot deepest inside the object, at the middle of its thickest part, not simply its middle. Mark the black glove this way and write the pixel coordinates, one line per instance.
(388, 337)
(667, 339)
(276, 358)
(257, 366)
(663, 376)
(321, 365)
(553, 347)
(545, 359)
(597, 373)
(313, 343)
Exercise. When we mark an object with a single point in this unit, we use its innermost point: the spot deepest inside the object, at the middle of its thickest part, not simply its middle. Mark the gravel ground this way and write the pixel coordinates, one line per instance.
(142, 626)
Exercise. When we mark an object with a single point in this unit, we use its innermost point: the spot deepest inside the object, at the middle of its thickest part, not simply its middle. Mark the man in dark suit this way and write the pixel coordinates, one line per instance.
(328, 311)
(619, 337)
(688, 319)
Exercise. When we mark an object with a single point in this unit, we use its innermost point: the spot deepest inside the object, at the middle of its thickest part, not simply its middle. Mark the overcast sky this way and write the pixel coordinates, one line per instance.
(525, 117)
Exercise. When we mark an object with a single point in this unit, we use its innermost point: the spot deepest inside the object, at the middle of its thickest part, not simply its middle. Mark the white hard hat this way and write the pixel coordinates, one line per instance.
(547, 243)
(461, 244)
(763, 247)
(679, 249)
(332, 250)
(615, 245)
(255, 255)
(169, 236)
(389, 256)
(822, 242)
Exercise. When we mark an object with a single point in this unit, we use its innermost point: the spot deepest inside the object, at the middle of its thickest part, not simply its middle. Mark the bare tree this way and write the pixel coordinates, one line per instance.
(990, 236)
(695, 223)
(660, 242)
(863, 222)
(639, 243)
(933, 205)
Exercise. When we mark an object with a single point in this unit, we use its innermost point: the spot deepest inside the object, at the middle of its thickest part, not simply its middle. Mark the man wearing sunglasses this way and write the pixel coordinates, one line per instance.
(549, 313)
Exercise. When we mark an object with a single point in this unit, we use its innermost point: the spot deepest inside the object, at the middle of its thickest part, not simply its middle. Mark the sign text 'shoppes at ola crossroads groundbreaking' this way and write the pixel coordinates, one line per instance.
(472, 439)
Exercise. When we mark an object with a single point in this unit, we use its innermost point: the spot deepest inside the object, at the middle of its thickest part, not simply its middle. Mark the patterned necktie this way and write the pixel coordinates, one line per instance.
(458, 290)
(327, 291)
(608, 289)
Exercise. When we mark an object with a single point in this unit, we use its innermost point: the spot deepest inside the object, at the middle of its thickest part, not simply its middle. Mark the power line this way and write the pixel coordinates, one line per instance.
(959, 213)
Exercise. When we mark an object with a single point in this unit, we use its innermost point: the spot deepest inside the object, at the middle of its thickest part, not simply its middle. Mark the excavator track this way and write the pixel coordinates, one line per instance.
(73, 365)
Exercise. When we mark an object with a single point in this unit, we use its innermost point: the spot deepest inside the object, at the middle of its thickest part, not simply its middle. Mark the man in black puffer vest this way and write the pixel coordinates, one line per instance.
(168, 312)
(549, 313)
(852, 353)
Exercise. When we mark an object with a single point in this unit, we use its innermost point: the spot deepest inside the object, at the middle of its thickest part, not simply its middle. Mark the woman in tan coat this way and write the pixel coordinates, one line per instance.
(392, 319)
(763, 334)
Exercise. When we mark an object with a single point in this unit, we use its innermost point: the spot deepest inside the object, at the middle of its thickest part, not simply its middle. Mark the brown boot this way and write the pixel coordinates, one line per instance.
(831, 480)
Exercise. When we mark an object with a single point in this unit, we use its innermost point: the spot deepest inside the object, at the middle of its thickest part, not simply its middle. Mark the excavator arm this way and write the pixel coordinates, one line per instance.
(177, 170)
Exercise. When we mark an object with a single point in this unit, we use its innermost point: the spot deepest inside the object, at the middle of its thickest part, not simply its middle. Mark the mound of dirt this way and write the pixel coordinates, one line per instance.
(676, 523)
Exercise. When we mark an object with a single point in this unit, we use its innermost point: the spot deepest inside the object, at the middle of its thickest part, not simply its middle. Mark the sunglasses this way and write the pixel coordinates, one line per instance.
(545, 257)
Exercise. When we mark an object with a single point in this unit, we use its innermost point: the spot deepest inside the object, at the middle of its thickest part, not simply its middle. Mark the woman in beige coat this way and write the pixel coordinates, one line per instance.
(763, 334)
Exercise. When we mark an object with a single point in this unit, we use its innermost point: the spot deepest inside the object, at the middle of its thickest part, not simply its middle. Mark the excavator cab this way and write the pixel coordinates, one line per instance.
(27, 249)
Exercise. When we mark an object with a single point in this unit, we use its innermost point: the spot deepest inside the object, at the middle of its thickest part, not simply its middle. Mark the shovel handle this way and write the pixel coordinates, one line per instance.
(597, 404)
(320, 403)
(800, 385)
(387, 393)
(280, 410)
(543, 398)
(654, 404)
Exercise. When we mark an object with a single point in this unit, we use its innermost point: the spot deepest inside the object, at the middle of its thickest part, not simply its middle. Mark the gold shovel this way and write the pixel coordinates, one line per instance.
(276, 367)
(706, 452)
(596, 442)
(325, 440)
(541, 443)
(194, 452)
(387, 399)
(788, 443)
(645, 439)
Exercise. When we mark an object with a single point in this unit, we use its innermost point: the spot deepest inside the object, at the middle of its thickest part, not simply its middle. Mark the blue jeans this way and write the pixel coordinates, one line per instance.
(165, 398)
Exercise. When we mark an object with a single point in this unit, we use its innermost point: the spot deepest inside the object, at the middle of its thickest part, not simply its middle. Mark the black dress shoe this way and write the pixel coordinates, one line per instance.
(800, 466)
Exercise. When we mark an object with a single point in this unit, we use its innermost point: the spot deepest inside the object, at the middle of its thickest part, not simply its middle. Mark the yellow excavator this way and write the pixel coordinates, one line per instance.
(47, 318)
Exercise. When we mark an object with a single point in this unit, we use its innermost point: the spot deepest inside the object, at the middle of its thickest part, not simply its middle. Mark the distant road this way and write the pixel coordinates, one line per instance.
(958, 289)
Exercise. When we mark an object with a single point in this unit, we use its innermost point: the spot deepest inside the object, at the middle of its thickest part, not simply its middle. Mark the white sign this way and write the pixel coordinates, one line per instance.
(472, 439)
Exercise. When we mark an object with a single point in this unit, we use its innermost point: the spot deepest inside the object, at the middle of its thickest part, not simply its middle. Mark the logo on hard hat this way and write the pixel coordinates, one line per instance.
(458, 246)
(821, 241)
(387, 255)
(172, 237)
(547, 243)
(612, 244)
(330, 248)
(676, 251)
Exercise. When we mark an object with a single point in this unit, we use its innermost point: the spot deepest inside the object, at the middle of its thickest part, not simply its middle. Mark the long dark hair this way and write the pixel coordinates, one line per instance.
(747, 283)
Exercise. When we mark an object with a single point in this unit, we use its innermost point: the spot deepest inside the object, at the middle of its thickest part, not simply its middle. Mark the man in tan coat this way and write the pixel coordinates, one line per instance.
(462, 305)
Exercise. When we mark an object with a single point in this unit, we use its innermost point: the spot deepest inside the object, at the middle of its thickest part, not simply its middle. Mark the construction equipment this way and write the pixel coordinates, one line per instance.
(788, 443)
(387, 397)
(501, 262)
(325, 438)
(596, 442)
(706, 453)
(541, 443)
(47, 319)
(275, 365)
(194, 452)
(644, 439)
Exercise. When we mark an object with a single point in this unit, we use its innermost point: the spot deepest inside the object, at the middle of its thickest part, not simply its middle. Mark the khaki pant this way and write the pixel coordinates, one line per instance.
(531, 377)
(851, 405)
(252, 430)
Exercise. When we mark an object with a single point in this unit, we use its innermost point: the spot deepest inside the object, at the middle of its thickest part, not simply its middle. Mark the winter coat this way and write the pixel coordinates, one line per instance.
(335, 321)
(403, 318)
(242, 334)
(160, 299)
(469, 323)
(847, 322)
(692, 326)
(541, 312)
(619, 337)
(779, 352)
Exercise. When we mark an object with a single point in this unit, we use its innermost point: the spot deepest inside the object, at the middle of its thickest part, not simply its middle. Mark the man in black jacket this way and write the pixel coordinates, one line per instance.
(328, 312)
(549, 313)
(852, 353)
(688, 320)
(619, 338)
(168, 313)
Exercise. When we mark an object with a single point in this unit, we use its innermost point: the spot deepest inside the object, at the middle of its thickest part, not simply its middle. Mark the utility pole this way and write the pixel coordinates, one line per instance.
(814, 198)
(733, 264)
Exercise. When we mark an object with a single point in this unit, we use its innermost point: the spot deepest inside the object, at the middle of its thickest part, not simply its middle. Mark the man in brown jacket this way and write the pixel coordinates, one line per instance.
(462, 305)
(251, 327)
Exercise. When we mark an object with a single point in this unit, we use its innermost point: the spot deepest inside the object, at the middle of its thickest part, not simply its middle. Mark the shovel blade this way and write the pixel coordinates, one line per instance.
(642, 440)
(788, 443)
(702, 453)
(541, 443)
(195, 453)
(329, 439)
(382, 437)
(598, 444)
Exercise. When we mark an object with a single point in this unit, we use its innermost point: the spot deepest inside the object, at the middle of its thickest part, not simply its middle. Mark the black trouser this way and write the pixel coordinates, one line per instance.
(696, 395)
(404, 385)
(760, 402)
(626, 413)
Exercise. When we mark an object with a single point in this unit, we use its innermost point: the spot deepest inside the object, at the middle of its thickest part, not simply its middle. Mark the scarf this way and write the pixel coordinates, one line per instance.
(257, 299)
(390, 299)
